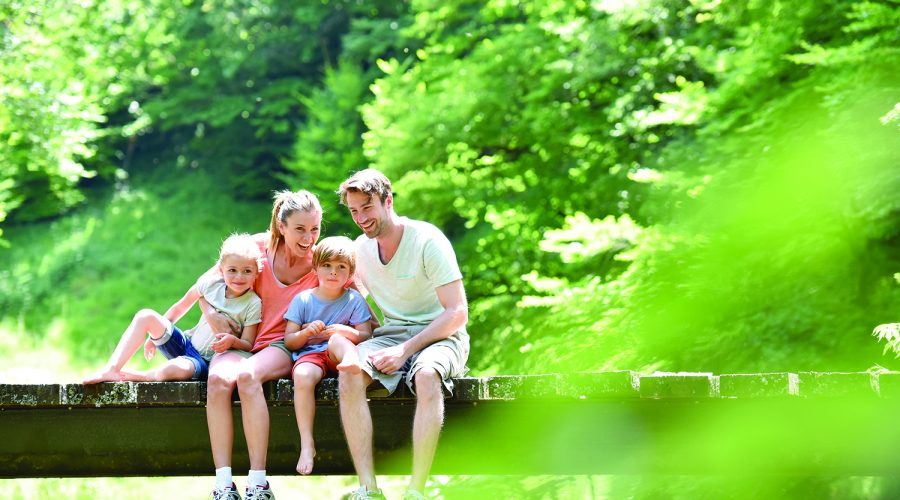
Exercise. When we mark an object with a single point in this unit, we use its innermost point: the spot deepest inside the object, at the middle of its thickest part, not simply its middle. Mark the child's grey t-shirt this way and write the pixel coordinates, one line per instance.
(246, 310)
(348, 309)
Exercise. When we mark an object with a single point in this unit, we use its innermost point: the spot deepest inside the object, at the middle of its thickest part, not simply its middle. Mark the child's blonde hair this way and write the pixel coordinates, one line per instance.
(335, 248)
(241, 245)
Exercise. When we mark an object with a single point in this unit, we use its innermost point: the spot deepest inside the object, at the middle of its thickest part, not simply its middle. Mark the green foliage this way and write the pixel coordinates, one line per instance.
(691, 127)
(40, 164)
(664, 181)
(329, 145)
(677, 185)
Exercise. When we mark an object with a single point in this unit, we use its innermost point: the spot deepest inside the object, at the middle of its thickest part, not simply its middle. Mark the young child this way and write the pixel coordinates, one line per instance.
(188, 353)
(323, 326)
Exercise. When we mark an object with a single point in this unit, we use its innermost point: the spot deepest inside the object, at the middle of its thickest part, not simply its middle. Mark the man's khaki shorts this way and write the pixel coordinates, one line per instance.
(447, 357)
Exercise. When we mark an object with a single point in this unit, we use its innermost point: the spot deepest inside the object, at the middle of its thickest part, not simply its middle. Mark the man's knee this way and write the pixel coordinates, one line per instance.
(428, 383)
(352, 384)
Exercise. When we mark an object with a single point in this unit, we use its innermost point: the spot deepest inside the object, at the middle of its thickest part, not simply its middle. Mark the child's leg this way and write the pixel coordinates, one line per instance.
(345, 353)
(180, 368)
(306, 376)
(132, 339)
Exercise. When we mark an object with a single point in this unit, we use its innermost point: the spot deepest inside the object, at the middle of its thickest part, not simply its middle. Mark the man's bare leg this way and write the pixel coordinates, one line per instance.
(426, 426)
(357, 422)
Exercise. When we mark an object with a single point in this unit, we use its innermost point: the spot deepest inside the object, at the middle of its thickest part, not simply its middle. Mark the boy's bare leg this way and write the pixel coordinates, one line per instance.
(179, 368)
(306, 376)
(426, 425)
(357, 422)
(344, 353)
(132, 339)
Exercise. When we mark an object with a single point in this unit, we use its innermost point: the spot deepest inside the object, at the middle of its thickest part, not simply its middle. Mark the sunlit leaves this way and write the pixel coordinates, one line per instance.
(889, 333)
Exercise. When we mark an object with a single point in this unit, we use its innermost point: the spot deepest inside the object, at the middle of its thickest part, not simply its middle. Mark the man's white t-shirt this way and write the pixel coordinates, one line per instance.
(404, 289)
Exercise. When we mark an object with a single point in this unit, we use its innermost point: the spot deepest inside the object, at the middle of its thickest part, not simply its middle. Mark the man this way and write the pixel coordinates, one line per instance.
(410, 269)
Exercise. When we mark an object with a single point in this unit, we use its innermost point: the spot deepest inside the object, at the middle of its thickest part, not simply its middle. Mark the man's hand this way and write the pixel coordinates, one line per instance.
(223, 342)
(389, 359)
(149, 349)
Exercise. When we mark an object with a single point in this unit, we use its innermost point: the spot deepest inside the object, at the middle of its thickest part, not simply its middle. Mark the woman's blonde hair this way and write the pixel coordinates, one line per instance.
(286, 204)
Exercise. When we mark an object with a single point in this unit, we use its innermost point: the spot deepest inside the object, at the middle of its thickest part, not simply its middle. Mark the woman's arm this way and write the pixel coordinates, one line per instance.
(225, 341)
(218, 321)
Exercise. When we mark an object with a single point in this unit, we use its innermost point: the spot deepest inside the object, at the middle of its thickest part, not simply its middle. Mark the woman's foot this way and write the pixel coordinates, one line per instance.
(305, 464)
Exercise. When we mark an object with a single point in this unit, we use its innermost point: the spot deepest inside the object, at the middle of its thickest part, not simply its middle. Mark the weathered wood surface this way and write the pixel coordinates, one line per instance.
(590, 423)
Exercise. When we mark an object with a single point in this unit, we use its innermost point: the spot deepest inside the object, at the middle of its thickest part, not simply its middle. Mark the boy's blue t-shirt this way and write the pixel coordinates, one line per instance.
(348, 309)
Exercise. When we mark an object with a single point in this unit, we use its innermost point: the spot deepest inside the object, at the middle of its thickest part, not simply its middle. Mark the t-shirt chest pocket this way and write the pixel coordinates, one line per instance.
(408, 287)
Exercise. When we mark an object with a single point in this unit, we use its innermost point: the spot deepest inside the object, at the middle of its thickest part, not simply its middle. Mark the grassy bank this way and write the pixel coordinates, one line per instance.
(68, 287)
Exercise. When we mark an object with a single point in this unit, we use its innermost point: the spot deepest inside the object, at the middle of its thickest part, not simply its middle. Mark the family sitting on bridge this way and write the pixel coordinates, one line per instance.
(312, 323)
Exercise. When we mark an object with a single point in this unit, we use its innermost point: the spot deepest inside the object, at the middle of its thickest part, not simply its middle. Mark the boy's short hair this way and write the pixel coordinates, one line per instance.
(335, 248)
(369, 181)
(241, 245)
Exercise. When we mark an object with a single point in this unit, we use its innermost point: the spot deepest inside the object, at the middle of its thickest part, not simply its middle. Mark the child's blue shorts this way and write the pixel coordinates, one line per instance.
(174, 344)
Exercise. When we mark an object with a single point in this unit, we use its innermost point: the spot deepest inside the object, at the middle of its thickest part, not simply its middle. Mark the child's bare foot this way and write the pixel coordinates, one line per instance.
(305, 464)
(350, 364)
(107, 375)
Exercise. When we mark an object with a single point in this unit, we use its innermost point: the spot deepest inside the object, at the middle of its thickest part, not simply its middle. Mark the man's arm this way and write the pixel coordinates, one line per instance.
(452, 297)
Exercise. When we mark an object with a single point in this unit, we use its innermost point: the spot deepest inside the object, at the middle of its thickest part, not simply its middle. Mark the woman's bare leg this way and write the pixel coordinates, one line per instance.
(223, 373)
(268, 364)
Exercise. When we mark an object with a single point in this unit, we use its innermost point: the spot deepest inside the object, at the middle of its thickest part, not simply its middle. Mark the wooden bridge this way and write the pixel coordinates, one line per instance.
(585, 423)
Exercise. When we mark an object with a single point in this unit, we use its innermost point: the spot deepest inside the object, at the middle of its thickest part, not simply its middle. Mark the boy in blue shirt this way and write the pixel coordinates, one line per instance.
(324, 324)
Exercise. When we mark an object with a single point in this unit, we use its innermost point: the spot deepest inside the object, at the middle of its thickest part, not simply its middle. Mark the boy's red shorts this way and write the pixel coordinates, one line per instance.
(320, 359)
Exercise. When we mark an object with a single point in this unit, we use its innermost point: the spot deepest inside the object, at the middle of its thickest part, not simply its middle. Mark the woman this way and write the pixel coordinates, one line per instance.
(287, 270)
